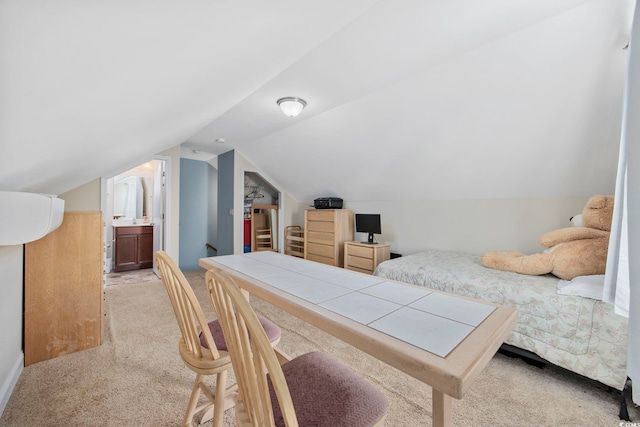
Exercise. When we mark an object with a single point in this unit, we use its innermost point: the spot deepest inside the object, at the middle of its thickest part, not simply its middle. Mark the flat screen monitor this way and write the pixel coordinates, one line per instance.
(370, 224)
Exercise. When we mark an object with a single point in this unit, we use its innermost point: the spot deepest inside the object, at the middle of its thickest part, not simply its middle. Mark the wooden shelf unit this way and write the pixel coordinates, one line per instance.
(294, 241)
(63, 285)
(326, 230)
(261, 219)
(365, 257)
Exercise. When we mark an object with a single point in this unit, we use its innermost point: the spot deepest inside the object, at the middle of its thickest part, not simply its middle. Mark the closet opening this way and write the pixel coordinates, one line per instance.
(261, 204)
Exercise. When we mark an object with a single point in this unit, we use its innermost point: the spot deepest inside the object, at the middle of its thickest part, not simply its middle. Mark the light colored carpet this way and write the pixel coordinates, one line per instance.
(136, 378)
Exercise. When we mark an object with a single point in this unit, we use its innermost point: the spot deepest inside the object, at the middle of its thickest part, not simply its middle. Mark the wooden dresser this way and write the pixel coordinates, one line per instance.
(326, 230)
(365, 257)
(63, 285)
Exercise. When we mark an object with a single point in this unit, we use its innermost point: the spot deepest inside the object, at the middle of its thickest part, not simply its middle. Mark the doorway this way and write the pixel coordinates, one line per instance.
(134, 212)
(261, 225)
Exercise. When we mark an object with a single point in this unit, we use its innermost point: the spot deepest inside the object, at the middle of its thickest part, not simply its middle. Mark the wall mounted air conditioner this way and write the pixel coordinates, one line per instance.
(25, 217)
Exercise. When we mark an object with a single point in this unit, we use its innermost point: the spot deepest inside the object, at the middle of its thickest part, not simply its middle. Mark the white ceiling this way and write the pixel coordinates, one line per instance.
(407, 99)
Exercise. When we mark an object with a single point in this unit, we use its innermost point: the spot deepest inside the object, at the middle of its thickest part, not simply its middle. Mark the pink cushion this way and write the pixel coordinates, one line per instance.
(327, 393)
(273, 332)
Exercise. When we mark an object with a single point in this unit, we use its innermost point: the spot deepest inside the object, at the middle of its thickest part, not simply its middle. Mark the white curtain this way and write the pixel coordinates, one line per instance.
(622, 280)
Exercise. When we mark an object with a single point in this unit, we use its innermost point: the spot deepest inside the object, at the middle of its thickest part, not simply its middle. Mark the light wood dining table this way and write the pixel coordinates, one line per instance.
(441, 339)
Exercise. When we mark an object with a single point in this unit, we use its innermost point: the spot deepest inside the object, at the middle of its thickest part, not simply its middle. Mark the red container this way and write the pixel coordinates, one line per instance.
(247, 232)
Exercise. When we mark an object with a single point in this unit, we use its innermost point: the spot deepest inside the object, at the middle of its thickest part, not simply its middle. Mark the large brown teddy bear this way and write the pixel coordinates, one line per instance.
(573, 251)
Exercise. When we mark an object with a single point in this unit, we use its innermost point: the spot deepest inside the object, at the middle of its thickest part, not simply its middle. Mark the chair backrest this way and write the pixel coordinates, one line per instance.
(187, 309)
(251, 358)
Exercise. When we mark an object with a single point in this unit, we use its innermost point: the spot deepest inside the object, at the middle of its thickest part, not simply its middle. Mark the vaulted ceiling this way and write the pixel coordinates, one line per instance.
(407, 99)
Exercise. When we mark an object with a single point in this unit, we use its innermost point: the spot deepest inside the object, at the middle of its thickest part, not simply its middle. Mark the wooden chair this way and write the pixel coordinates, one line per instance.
(202, 345)
(264, 239)
(310, 390)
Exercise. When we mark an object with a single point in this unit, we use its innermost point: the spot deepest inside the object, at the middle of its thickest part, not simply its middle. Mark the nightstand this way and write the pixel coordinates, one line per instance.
(364, 257)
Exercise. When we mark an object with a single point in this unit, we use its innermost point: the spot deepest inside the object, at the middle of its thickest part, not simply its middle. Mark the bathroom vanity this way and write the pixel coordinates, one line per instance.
(133, 247)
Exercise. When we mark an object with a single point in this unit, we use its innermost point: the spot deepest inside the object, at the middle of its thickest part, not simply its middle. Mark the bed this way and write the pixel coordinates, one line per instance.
(580, 334)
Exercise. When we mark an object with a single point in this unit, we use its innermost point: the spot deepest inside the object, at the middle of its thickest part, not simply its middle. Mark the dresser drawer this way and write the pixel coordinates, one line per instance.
(321, 215)
(320, 237)
(361, 251)
(325, 227)
(359, 270)
(322, 259)
(361, 263)
(322, 250)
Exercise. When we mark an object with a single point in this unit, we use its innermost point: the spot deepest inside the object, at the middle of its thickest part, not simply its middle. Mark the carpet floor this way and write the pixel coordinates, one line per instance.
(136, 377)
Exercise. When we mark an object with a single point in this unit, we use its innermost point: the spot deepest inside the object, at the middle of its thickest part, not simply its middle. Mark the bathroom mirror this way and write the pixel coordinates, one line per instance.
(131, 197)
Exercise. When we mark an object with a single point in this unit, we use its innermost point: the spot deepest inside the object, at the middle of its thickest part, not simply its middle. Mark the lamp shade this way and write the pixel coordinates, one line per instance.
(291, 106)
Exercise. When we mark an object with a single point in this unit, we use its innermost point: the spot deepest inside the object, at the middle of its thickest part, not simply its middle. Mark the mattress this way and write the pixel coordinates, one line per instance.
(580, 334)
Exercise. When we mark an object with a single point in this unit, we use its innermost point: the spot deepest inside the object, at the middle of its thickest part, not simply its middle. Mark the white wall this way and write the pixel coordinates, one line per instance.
(473, 226)
(83, 198)
(172, 231)
(11, 356)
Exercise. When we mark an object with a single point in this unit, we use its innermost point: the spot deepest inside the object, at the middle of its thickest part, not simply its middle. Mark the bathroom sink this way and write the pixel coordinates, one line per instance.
(122, 222)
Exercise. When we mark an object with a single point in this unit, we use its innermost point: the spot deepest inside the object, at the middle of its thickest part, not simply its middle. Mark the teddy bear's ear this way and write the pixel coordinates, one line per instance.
(599, 201)
(598, 212)
(576, 220)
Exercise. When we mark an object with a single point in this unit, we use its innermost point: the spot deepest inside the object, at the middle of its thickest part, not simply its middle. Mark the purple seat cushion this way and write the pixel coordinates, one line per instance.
(273, 332)
(325, 392)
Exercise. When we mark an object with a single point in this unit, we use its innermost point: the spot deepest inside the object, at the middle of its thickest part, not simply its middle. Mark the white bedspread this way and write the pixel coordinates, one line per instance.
(576, 333)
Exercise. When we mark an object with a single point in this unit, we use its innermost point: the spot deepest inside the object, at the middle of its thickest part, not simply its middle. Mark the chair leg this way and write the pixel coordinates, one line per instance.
(221, 392)
(193, 401)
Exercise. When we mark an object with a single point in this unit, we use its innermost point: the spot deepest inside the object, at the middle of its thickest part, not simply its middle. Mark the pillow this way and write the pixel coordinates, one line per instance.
(583, 286)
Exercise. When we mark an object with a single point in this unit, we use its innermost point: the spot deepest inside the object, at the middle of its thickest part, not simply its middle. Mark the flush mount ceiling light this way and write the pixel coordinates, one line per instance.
(291, 106)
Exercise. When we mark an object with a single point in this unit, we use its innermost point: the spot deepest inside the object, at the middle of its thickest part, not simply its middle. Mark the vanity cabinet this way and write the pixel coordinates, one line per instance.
(326, 230)
(133, 247)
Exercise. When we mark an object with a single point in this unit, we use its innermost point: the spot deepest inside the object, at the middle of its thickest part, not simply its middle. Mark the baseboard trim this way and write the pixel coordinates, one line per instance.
(10, 382)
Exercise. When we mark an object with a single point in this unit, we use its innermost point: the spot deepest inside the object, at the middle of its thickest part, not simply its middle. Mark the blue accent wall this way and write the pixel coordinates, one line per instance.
(225, 202)
(212, 232)
(196, 206)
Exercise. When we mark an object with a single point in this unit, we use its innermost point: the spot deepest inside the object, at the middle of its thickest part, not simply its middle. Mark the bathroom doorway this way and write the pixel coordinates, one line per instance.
(135, 218)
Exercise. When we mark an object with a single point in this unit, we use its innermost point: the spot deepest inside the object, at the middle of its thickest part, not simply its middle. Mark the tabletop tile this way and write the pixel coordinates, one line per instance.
(396, 292)
(320, 271)
(360, 307)
(286, 280)
(315, 293)
(432, 333)
(237, 262)
(261, 255)
(353, 280)
(462, 310)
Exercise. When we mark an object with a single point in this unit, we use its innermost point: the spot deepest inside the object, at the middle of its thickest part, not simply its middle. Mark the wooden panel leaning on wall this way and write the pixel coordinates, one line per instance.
(63, 289)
